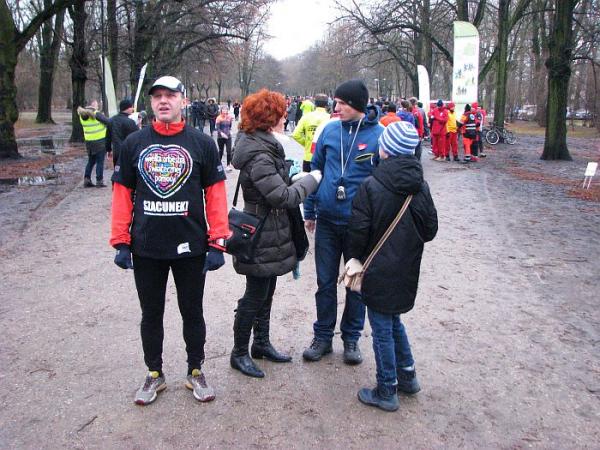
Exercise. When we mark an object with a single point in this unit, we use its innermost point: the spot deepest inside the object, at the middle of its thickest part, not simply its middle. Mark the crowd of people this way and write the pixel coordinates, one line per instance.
(360, 168)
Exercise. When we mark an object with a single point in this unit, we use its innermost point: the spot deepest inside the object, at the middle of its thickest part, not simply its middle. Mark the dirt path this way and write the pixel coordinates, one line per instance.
(505, 333)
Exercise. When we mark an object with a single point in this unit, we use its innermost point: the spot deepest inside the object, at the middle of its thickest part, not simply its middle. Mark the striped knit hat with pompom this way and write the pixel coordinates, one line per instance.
(399, 138)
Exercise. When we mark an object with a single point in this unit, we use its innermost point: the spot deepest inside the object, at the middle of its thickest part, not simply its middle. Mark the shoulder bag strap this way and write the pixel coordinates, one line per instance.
(237, 189)
(387, 233)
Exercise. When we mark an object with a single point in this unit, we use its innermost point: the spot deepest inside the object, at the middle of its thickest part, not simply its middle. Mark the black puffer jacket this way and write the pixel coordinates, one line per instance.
(264, 181)
(390, 283)
(119, 127)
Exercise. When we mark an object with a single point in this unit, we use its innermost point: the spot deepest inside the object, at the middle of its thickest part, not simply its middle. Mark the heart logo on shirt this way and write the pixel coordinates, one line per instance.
(361, 147)
(165, 168)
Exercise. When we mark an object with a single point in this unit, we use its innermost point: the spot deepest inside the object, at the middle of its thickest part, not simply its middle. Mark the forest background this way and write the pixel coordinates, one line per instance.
(539, 59)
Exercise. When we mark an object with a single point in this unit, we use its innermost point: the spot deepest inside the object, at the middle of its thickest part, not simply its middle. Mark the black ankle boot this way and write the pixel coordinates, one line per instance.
(240, 360)
(244, 364)
(261, 350)
(262, 347)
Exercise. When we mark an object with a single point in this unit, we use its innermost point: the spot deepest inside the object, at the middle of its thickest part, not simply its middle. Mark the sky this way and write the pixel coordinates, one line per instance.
(297, 24)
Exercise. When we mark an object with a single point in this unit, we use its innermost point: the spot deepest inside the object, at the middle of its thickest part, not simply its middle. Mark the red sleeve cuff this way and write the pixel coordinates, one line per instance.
(216, 212)
(122, 215)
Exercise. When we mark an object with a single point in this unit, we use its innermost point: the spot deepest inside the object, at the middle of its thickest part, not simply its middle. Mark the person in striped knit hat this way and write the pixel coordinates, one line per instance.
(389, 285)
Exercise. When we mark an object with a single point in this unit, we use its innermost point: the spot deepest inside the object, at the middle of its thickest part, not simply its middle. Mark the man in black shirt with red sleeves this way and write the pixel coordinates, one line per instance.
(163, 178)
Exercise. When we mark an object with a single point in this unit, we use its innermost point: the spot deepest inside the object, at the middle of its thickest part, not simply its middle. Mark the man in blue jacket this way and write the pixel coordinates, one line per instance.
(346, 153)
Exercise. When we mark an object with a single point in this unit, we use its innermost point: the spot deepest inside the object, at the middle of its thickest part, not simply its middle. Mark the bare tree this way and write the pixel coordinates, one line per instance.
(12, 42)
(560, 45)
(50, 42)
(78, 64)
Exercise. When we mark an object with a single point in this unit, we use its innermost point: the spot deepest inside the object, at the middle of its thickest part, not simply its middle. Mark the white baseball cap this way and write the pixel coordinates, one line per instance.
(168, 82)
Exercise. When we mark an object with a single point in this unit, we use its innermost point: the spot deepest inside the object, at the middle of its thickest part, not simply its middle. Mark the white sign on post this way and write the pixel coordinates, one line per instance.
(590, 171)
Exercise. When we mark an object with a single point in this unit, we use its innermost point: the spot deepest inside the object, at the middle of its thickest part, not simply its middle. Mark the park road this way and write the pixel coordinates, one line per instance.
(505, 335)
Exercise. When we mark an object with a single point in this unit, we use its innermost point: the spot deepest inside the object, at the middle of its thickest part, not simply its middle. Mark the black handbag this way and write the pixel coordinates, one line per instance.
(245, 229)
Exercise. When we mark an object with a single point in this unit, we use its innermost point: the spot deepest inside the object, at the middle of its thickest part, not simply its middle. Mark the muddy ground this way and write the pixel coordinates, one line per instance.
(505, 330)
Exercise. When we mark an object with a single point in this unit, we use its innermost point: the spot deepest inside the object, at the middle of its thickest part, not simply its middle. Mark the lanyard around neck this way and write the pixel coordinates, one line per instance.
(345, 163)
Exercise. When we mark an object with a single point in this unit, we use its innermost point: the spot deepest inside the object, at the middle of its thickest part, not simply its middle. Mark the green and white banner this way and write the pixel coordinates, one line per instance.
(466, 63)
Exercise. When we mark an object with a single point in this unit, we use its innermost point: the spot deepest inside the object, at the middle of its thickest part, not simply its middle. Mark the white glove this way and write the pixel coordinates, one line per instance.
(353, 266)
(317, 175)
(299, 176)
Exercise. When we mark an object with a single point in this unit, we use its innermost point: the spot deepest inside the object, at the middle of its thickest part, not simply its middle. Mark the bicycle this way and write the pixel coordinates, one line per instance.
(496, 134)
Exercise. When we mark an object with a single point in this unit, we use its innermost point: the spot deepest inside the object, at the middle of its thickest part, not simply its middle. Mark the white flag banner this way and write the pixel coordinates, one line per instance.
(424, 93)
(109, 89)
(139, 86)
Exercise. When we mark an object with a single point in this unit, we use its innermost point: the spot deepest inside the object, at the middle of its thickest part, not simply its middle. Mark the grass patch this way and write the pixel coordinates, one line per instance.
(27, 119)
(531, 128)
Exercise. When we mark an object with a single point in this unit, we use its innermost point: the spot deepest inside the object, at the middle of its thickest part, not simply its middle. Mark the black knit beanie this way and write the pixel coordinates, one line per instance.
(355, 93)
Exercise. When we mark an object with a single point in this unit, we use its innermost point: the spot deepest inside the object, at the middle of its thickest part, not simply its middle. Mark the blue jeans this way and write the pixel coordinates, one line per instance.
(98, 161)
(331, 242)
(390, 345)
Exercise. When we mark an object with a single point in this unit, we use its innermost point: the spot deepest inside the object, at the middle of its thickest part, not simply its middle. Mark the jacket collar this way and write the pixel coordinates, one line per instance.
(168, 129)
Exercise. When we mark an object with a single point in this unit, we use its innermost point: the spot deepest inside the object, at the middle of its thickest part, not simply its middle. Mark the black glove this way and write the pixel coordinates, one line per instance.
(214, 260)
(123, 257)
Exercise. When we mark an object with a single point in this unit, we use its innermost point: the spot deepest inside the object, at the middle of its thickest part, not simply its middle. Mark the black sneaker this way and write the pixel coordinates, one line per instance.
(352, 354)
(456, 158)
(447, 158)
(407, 381)
(317, 350)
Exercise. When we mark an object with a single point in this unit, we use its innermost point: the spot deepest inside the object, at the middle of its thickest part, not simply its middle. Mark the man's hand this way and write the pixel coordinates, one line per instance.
(214, 260)
(310, 225)
(123, 257)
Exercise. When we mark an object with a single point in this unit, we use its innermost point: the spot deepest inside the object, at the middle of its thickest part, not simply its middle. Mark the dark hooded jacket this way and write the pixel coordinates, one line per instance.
(265, 185)
(390, 283)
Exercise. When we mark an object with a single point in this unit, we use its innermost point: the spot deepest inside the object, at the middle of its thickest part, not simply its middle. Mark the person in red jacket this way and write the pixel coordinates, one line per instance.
(419, 124)
(468, 127)
(438, 131)
(166, 177)
(480, 115)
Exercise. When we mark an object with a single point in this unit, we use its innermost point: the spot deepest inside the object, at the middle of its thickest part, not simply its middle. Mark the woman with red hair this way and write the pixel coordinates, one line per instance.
(268, 194)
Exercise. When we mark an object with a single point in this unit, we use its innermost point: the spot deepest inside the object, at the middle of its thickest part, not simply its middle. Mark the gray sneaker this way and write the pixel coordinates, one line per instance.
(153, 384)
(197, 383)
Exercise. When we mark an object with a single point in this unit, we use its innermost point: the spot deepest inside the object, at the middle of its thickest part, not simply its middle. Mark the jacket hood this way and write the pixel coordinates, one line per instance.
(402, 173)
(248, 145)
(366, 122)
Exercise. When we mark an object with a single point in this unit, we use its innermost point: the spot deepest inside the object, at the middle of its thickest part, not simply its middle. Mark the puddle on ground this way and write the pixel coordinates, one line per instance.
(45, 144)
(27, 181)
(49, 175)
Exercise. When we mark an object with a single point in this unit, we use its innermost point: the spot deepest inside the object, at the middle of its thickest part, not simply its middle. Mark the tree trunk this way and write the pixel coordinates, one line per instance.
(422, 43)
(142, 44)
(539, 31)
(51, 41)
(113, 42)
(462, 10)
(78, 64)
(219, 84)
(8, 105)
(502, 61)
(560, 45)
